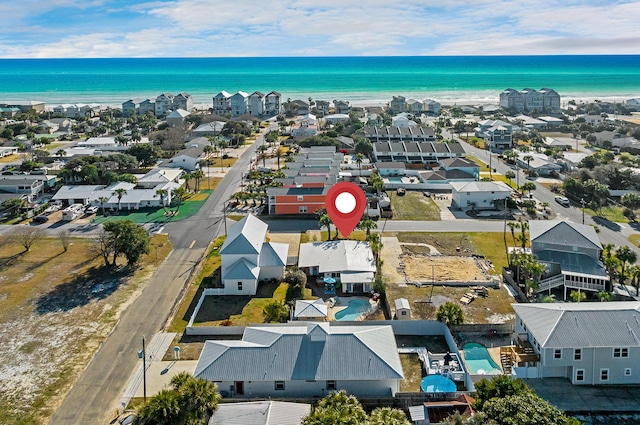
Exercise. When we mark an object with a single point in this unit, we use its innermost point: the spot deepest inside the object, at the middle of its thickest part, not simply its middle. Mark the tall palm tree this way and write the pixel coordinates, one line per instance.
(359, 159)
(527, 159)
(367, 225)
(197, 175)
(509, 174)
(102, 200)
(162, 193)
(634, 273)
(187, 177)
(325, 221)
(626, 256)
(280, 151)
(162, 409)
(179, 193)
(120, 192)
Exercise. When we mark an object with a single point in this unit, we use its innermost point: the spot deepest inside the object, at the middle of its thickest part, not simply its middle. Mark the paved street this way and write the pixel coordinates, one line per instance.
(99, 388)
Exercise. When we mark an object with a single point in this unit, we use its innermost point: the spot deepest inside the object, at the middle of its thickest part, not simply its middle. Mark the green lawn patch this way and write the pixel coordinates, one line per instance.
(480, 163)
(635, 239)
(412, 370)
(610, 212)
(414, 206)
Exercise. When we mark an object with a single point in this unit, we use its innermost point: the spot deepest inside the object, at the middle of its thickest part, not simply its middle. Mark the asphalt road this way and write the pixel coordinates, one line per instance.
(98, 389)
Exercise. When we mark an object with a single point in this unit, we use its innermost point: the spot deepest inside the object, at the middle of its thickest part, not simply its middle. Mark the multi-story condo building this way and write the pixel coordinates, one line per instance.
(164, 103)
(221, 104)
(398, 104)
(273, 103)
(256, 104)
(238, 103)
(183, 101)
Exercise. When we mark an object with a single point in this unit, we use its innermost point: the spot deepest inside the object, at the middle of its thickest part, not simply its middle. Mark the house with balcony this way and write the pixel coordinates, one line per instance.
(571, 252)
(398, 104)
(589, 343)
(414, 106)
(340, 107)
(187, 159)
(177, 118)
(164, 103)
(431, 107)
(28, 185)
(247, 259)
(273, 103)
(130, 107)
(532, 100)
(304, 359)
(497, 134)
(461, 164)
(256, 104)
(550, 100)
(221, 103)
(183, 101)
(322, 107)
(147, 105)
(238, 103)
(512, 99)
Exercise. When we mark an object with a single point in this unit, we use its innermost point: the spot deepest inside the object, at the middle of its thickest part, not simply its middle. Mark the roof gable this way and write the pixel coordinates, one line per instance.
(564, 232)
(245, 237)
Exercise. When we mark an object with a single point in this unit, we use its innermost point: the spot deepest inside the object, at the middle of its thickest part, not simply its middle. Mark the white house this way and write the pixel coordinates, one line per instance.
(256, 103)
(247, 258)
(315, 310)
(98, 143)
(265, 412)
(183, 101)
(163, 103)
(272, 103)
(336, 118)
(221, 103)
(238, 103)
(304, 360)
(403, 309)
(590, 343)
(349, 262)
(29, 185)
(186, 159)
(158, 176)
(402, 121)
(478, 194)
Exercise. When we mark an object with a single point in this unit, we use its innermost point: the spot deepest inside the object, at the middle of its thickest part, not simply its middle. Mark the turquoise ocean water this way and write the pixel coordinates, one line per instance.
(357, 79)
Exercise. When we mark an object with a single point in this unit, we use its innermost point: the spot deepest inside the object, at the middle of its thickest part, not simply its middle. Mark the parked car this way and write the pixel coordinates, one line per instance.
(562, 201)
(40, 219)
(91, 210)
(427, 194)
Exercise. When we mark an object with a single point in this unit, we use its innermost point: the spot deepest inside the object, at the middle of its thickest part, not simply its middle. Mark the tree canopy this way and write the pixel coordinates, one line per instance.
(126, 238)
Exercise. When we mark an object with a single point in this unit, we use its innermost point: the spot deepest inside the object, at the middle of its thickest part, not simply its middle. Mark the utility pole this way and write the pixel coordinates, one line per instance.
(144, 370)
(582, 202)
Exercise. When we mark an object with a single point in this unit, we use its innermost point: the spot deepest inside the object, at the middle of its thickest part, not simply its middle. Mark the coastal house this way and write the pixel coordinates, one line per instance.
(273, 103)
(256, 104)
(431, 107)
(177, 118)
(322, 107)
(415, 106)
(571, 253)
(512, 99)
(238, 103)
(159, 176)
(304, 360)
(532, 100)
(221, 104)
(552, 122)
(163, 104)
(402, 121)
(336, 118)
(266, 412)
(550, 100)
(47, 127)
(398, 104)
(130, 107)
(247, 258)
(462, 164)
(590, 343)
(478, 194)
(349, 262)
(147, 105)
(28, 185)
(212, 128)
(415, 152)
(340, 107)
(497, 134)
(183, 101)
(538, 162)
(315, 310)
(612, 139)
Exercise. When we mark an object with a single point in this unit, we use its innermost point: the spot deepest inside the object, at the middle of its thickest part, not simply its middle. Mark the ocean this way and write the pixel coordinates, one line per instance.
(360, 80)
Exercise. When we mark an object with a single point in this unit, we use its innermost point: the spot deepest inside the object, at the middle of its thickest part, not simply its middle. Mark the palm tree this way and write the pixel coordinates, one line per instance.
(513, 225)
(280, 151)
(162, 409)
(527, 159)
(60, 153)
(197, 175)
(388, 416)
(359, 159)
(187, 177)
(509, 174)
(199, 397)
(626, 256)
(605, 295)
(162, 193)
(529, 186)
(120, 192)
(634, 272)
(325, 221)
(179, 193)
(367, 225)
(450, 314)
(102, 201)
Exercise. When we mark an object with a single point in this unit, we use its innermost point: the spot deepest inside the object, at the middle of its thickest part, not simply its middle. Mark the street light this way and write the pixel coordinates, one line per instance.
(582, 202)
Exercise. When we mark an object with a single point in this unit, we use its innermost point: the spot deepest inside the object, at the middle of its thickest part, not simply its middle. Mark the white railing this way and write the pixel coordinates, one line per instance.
(550, 282)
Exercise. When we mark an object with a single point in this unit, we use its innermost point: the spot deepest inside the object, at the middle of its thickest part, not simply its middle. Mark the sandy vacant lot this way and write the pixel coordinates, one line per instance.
(425, 268)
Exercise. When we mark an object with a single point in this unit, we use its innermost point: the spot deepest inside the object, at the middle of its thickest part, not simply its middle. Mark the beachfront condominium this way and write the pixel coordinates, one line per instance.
(530, 100)
(221, 103)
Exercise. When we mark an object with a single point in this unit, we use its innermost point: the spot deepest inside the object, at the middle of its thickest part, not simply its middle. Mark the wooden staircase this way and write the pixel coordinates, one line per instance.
(506, 360)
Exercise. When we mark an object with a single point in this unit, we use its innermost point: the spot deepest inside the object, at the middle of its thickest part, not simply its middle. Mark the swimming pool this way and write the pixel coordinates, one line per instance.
(394, 179)
(479, 361)
(354, 310)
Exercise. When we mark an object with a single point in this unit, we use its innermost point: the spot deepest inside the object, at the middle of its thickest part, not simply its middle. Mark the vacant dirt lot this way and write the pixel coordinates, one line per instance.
(55, 309)
(425, 268)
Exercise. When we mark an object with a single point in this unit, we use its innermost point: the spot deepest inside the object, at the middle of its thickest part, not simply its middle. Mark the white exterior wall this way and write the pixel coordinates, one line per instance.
(183, 161)
(272, 272)
(249, 287)
(256, 105)
(482, 199)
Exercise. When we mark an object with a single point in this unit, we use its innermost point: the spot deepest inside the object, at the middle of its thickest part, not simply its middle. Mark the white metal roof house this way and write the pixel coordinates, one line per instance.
(590, 343)
(349, 262)
(265, 412)
(159, 175)
(310, 310)
(186, 159)
(247, 258)
(477, 194)
(571, 253)
(304, 360)
(177, 118)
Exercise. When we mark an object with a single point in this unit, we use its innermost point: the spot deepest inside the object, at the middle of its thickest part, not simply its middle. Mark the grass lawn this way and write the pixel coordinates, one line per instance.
(189, 207)
(56, 308)
(635, 239)
(226, 163)
(502, 178)
(412, 369)
(610, 212)
(480, 163)
(414, 206)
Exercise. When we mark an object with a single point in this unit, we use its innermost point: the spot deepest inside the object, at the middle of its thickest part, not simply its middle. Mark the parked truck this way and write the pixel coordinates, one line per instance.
(72, 212)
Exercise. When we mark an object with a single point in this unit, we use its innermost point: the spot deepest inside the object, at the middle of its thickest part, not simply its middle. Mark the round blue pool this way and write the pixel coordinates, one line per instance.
(437, 384)
(479, 361)
(354, 310)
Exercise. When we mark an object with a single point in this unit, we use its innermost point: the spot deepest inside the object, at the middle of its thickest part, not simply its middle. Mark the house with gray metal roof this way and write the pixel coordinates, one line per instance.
(349, 262)
(571, 253)
(590, 343)
(265, 412)
(248, 259)
(304, 360)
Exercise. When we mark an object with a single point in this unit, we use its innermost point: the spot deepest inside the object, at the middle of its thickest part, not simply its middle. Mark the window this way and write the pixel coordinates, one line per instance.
(331, 385)
(239, 286)
(579, 375)
(300, 198)
(620, 352)
(577, 354)
(279, 385)
(604, 374)
(627, 371)
(403, 313)
(302, 210)
(557, 354)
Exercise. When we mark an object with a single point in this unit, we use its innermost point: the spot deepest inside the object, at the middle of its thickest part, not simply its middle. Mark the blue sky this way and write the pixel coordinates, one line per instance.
(172, 28)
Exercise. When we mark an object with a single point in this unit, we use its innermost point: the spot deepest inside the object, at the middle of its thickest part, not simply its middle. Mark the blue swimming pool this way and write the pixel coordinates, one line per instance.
(479, 361)
(354, 310)
(394, 179)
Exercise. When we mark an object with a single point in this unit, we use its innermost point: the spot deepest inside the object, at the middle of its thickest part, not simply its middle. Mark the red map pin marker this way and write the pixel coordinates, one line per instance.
(345, 204)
